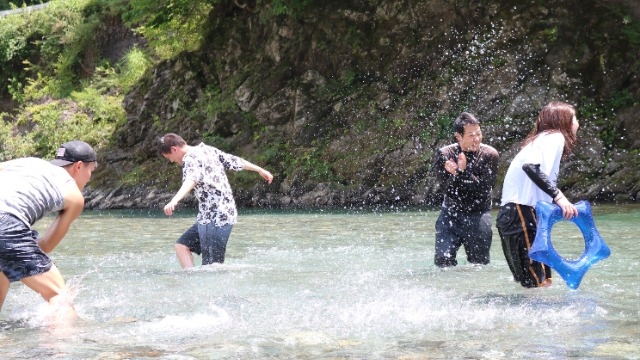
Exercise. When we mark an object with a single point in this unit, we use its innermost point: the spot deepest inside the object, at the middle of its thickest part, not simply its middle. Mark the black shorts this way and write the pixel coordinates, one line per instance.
(20, 255)
(517, 226)
(207, 239)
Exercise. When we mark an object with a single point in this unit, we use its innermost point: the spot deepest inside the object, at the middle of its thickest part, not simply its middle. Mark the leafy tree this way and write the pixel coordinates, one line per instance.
(170, 26)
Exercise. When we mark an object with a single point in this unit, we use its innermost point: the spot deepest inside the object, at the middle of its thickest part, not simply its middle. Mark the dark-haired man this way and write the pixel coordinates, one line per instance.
(203, 170)
(466, 172)
(31, 189)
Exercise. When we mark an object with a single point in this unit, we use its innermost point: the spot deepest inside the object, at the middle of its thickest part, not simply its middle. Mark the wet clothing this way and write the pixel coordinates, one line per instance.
(465, 217)
(207, 239)
(206, 166)
(469, 191)
(517, 228)
(472, 230)
(545, 151)
(31, 189)
(20, 255)
(217, 213)
(531, 177)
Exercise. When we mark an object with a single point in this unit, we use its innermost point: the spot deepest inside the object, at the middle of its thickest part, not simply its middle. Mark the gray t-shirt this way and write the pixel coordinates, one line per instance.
(31, 188)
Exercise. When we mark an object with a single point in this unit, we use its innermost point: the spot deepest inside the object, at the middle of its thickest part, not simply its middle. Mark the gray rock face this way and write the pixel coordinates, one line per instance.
(346, 103)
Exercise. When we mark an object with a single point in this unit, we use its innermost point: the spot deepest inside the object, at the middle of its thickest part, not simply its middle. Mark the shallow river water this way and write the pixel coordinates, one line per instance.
(324, 285)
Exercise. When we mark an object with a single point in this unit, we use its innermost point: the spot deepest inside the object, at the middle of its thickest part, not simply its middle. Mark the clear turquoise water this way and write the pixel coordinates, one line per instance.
(322, 285)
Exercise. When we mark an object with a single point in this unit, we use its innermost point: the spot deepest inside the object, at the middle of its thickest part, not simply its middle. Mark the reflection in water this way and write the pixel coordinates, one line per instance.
(322, 285)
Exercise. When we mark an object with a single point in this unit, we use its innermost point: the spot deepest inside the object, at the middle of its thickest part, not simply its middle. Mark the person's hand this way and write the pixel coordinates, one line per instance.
(168, 209)
(462, 161)
(266, 175)
(568, 210)
(450, 166)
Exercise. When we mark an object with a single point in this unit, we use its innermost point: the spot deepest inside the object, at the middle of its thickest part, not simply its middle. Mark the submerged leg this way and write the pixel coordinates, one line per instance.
(188, 243)
(447, 242)
(478, 239)
(213, 240)
(50, 285)
(4, 288)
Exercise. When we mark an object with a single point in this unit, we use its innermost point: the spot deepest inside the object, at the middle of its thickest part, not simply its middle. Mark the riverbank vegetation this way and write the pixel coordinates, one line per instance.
(346, 100)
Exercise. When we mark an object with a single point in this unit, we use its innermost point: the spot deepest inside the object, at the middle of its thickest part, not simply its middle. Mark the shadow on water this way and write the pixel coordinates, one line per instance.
(535, 303)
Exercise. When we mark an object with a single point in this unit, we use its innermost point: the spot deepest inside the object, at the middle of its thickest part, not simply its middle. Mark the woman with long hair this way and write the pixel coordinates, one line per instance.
(532, 177)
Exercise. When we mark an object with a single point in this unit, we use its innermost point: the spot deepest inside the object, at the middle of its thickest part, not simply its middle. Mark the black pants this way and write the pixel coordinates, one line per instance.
(517, 227)
(471, 230)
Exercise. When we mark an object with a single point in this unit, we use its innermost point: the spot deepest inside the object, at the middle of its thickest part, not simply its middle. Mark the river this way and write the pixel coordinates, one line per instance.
(323, 285)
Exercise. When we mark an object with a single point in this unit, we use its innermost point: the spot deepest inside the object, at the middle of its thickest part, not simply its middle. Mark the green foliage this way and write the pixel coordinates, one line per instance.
(217, 141)
(11, 144)
(132, 178)
(41, 128)
(170, 26)
(46, 41)
(120, 79)
(308, 161)
(550, 34)
(601, 117)
(155, 170)
(16, 89)
(631, 30)
(49, 126)
(338, 88)
(101, 108)
(292, 8)
(286, 160)
(12, 40)
(13, 50)
(623, 99)
(57, 104)
(217, 101)
(132, 67)
(42, 52)
(442, 126)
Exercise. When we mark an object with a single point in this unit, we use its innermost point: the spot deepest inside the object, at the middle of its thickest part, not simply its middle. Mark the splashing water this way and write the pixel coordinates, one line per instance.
(321, 285)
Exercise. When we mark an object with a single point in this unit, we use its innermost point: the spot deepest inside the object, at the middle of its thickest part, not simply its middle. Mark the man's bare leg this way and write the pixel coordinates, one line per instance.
(4, 288)
(51, 287)
(184, 256)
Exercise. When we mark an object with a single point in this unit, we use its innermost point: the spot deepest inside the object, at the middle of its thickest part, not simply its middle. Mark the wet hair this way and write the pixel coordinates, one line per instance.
(556, 116)
(166, 142)
(461, 121)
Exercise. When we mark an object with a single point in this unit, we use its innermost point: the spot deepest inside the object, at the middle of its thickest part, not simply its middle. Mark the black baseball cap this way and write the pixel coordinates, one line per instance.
(73, 151)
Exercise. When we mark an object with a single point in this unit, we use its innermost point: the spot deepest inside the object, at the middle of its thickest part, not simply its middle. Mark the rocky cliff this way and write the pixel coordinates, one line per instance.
(345, 101)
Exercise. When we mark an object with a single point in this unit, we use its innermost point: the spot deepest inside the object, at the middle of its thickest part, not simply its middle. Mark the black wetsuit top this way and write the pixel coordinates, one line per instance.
(470, 190)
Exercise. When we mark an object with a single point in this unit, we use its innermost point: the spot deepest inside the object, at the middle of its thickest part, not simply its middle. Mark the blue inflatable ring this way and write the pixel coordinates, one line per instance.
(542, 250)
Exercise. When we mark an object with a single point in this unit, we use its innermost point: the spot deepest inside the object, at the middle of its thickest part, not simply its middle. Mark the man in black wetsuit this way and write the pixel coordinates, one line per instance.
(466, 172)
